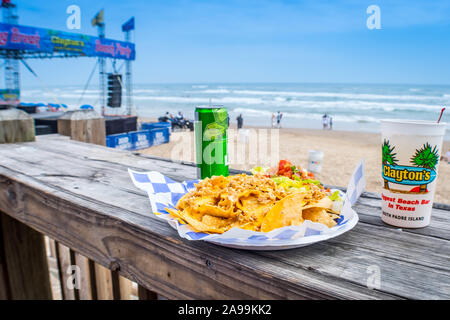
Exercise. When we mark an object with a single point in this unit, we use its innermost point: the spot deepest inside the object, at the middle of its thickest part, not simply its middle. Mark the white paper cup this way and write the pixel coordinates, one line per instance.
(315, 161)
(411, 152)
(243, 135)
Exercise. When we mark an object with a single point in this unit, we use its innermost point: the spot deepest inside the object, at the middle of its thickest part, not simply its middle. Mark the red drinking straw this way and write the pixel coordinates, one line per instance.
(442, 112)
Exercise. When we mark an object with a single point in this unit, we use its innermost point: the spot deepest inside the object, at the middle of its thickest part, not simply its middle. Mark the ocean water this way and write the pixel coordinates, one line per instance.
(355, 107)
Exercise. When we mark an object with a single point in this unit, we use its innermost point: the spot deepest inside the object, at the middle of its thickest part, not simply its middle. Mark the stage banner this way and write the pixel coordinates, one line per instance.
(9, 97)
(31, 39)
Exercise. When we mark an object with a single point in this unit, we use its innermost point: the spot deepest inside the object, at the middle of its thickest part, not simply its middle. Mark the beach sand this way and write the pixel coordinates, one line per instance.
(342, 152)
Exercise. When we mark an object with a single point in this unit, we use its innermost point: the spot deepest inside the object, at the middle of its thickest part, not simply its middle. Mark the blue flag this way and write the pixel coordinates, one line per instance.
(129, 25)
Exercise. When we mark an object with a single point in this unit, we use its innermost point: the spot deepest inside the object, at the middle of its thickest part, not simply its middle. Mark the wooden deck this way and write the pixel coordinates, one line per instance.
(81, 196)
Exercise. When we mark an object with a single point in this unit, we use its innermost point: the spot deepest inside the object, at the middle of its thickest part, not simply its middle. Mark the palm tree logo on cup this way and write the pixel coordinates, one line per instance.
(426, 157)
(418, 176)
(388, 157)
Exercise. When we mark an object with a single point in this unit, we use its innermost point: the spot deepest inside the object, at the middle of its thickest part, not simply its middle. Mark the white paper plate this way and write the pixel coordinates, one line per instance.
(291, 244)
(163, 192)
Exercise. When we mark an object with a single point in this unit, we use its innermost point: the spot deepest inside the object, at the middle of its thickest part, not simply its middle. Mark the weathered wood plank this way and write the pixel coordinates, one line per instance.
(75, 281)
(51, 244)
(64, 261)
(60, 275)
(125, 288)
(85, 291)
(98, 194)
(25, 259)
(15, 126)
(104, 283)
(5, 292)
(83, 125)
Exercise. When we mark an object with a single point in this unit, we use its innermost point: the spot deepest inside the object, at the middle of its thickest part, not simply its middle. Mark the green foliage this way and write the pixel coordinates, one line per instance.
(426, 157)
(387, 153)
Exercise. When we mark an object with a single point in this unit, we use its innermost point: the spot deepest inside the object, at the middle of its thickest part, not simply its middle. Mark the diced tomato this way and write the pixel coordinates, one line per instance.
(284, 165)
(285, 168)
(287, 173)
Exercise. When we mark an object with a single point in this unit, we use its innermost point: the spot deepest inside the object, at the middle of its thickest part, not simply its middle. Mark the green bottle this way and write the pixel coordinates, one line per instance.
(211, 126)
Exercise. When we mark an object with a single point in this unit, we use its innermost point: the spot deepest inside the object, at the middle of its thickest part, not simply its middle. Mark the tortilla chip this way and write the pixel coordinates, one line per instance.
(320, 215)
(216, 211)
(285, 212)
(324, 203)
(215, 221)
(175, 214)
(200, 226)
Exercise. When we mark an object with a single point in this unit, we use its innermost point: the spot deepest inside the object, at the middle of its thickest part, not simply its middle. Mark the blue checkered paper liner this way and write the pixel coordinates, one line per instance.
(164, 192)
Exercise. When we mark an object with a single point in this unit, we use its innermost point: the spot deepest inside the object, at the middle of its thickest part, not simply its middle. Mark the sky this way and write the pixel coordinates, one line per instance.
(187, 41)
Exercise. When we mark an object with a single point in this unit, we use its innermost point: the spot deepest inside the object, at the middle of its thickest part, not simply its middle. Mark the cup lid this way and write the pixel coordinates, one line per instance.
(413, 127)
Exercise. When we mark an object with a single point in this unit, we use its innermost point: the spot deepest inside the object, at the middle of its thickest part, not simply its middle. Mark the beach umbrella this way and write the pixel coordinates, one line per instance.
(87, 107)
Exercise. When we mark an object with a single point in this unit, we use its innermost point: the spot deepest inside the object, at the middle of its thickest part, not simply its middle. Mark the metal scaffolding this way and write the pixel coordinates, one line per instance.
(101, 71)
(128, 80)
(12, 81)
(100, 47)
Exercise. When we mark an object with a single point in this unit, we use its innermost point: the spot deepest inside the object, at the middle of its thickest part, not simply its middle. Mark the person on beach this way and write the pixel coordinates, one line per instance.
(279, 116)
(325, 121)
(331, 123)
(273, 120)
(240, 121)
(166, 117)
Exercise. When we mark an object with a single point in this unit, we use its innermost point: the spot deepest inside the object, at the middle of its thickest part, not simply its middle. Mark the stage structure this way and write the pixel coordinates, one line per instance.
(11, 64)
(127, 27)
(18, 42)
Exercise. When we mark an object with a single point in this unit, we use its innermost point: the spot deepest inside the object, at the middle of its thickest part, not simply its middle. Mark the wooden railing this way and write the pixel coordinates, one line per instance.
(37, 267)
(75, 277)
(66, 203)
(34, 266)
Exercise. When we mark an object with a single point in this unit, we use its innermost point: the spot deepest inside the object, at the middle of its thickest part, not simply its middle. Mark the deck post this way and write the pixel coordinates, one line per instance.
(23, 261)
(83, 125)
(16, 126)
(25, 264)
(88, 126)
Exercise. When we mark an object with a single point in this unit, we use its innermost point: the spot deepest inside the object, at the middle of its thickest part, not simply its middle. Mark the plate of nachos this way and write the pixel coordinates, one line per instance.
(273, 208)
